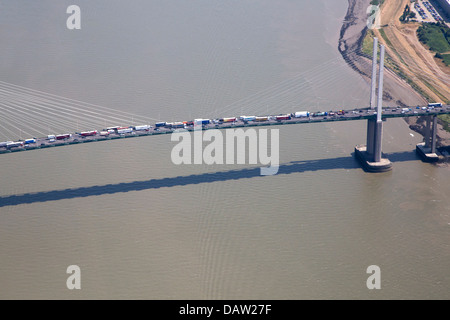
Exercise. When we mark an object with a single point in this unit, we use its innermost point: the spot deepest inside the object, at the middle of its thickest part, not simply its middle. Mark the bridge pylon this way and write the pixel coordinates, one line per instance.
(370, 155)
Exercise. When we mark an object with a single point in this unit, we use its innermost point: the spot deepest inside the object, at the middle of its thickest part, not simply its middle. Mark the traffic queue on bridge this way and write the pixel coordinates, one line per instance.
(127, 131)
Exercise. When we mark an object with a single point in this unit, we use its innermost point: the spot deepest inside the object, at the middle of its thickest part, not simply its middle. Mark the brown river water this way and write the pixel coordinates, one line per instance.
(141, 227)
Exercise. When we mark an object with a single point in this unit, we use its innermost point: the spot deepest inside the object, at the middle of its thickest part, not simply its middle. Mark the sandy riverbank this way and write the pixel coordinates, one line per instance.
(410, 55)
(396, 90)
(353, 31)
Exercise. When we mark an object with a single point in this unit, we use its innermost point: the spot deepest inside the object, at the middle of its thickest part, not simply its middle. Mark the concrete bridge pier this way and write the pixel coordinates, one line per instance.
(427, 149)
(370, 137)
(433, 135)
(370, 155)
(377, 141)
(374, 139)
(427, 132)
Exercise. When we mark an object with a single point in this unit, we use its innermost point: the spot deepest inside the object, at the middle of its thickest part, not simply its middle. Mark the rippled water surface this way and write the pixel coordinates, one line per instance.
(140, 226)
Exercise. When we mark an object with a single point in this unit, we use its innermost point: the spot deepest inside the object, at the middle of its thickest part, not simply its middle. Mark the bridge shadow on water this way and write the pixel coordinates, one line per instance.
(246, 173)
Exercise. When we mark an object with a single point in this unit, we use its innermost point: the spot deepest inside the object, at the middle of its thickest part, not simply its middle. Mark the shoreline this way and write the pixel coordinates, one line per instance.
(396, 90)
(353, 31)
(350, 41)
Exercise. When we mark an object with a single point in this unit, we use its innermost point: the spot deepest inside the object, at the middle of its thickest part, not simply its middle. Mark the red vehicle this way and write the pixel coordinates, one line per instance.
(283, 117)
(88, 133)
(63, 136)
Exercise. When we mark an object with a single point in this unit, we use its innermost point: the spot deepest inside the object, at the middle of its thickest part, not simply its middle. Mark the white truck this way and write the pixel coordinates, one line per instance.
(144, 127)
(301, 114)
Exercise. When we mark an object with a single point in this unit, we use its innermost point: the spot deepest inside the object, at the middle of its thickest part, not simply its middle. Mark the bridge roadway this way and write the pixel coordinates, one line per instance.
(356, 114)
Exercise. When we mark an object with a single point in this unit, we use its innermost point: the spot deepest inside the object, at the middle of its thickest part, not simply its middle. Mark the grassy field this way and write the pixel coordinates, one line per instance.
(446, 59)
(435, 36)
(445, 121)
(367, 47)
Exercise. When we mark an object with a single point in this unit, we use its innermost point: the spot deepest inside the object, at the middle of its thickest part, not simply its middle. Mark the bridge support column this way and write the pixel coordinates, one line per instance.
(427, 132)
(377, 141)
(433, 135)
(370, 137)
(427, 149)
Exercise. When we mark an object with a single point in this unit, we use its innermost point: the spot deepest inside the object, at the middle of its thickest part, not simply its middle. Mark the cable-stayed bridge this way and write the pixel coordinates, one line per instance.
(32, 119)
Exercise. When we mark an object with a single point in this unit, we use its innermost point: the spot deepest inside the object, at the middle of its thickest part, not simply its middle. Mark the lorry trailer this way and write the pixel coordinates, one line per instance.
(233, 119)
(247, 118)
(63, 136)
(12, 144)
(283, 117)
(301, 114)
(142, 127)
(88, 133)
(124, 130)
(202, 121)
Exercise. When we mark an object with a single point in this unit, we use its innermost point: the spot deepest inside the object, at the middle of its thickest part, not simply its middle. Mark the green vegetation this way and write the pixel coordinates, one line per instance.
(436, 36)
(445, 121)
(407, 14)
(446, 59)
(376, 2)
(384, 36)
(366, 48)
(367, 45)
(434, 90)
(433, 35)
(389, 44)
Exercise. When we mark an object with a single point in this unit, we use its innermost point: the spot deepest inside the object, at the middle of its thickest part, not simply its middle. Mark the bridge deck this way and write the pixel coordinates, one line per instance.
(349, 115)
